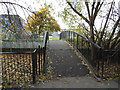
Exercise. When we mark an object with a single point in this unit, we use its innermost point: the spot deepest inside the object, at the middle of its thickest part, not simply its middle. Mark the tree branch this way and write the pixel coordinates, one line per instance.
(102, 33)
(86, 3)
(113, 32)
(77, 12)
(85, 27)
(93, 6)
(17, 5)
(96, 10)
(100, 6)
(115, 40)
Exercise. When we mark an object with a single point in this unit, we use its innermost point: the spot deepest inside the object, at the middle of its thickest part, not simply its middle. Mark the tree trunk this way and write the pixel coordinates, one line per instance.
(93, 56)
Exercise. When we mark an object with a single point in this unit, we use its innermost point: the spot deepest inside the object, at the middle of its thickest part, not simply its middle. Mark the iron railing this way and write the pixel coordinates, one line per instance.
(23, 43)
(100, 62)
(23, 66)
(20, 66)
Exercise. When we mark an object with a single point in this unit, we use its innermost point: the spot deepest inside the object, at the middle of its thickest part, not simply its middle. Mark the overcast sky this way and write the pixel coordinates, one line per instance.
(36, 4)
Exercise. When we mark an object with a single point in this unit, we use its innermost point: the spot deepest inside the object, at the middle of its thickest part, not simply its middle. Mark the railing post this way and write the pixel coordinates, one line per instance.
(44, 50)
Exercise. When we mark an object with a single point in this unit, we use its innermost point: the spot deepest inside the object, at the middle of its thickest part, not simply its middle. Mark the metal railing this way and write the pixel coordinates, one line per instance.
(23, 43)
(98, 58)
(28, 62)
(23, 66)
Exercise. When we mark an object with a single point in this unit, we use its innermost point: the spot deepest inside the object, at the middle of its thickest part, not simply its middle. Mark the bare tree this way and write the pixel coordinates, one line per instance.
(100, 37)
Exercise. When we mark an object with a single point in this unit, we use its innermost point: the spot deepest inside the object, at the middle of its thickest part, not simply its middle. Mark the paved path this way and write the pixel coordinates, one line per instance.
(68, 70)
(64, 61)
(78, 82)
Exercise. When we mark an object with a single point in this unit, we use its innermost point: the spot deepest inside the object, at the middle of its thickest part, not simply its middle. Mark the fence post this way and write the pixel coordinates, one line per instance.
(44, 50)
(44, 54)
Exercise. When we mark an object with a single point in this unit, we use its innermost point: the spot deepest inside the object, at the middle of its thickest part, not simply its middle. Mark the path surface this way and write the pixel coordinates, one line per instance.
(68, 70)
(64, 61)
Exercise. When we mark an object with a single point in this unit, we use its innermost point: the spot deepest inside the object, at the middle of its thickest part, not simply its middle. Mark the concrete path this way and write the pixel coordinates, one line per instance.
(64, 61)
(68, 70)
(78, 82)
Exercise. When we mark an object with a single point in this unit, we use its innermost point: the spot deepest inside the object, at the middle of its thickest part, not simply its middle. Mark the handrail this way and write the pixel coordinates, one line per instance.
(97, 46)
(28, 52)
(45, 38)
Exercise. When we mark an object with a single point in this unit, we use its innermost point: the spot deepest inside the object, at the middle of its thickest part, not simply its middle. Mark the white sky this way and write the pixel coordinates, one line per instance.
(36, 4)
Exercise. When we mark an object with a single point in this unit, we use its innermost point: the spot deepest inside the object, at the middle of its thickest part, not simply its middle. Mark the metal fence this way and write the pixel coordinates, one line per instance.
(23, 66)
(96, 57)
(20, 66)
(21, 43)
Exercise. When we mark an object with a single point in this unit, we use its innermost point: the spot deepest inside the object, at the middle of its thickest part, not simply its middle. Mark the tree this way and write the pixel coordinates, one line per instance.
(107, 35)
(90, 13)
(42, 20)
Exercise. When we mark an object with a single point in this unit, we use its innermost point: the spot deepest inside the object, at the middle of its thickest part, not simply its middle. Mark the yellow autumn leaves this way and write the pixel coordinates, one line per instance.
(41, 20)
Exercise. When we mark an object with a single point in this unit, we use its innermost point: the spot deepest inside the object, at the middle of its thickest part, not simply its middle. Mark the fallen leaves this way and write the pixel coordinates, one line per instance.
(110, 70)
(17, 68)
(99, 80)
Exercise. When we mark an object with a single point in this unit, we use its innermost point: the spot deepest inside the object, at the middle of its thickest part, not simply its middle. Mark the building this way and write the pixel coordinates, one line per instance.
(11, 26)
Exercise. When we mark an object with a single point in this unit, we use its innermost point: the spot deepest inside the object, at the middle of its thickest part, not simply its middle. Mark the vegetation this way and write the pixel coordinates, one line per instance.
(41, 21)
(89, 15)
(55, 38)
